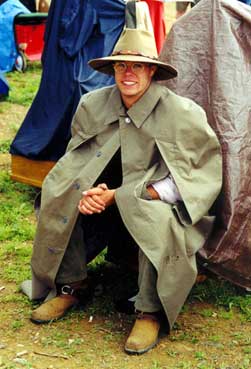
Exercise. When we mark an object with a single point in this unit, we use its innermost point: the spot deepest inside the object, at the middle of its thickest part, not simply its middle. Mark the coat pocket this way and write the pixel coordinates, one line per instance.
(181, 214)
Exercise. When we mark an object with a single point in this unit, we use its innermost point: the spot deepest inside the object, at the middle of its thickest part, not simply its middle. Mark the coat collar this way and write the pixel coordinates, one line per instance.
(139, 111)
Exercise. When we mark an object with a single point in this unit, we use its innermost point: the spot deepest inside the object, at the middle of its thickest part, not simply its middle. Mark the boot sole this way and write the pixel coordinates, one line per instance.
(142, 351)
(39, 321)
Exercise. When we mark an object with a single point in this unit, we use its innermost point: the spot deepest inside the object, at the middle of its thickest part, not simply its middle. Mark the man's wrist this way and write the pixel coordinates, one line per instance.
(111, 199)
(153, 193)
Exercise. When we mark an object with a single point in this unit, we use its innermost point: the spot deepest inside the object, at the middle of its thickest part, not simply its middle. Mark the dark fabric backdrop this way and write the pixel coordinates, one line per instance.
(77, 31)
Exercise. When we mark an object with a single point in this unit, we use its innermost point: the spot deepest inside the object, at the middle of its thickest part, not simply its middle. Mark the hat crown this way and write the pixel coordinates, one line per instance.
(136, 42)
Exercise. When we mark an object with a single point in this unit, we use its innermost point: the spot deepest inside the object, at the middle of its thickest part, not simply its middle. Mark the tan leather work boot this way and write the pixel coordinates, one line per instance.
(69, 295)
(53, 309)
(144, 334)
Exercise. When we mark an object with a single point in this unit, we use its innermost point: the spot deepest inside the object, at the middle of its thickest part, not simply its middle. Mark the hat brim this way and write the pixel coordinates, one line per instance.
(105, 65)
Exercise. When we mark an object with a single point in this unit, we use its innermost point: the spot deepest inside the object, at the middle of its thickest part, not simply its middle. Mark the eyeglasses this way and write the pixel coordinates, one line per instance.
(136, 68)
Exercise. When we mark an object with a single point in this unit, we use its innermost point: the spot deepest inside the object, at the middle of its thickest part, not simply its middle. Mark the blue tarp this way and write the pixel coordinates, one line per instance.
(76, 31)
(248, 2)
(8, 51)
(4, 87)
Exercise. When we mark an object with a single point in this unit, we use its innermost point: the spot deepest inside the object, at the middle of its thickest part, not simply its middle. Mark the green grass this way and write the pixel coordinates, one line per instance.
(17, 220)
(15, 262)
(17, 227)
(23, 86)
(4, 146)
(15, 210)
(221, 293)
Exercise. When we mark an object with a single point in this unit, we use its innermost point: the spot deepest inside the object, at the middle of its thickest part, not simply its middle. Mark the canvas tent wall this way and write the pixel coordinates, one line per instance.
(214, 68)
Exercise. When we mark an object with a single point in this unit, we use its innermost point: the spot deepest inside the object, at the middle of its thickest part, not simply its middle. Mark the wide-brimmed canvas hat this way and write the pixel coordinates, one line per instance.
(135, 45)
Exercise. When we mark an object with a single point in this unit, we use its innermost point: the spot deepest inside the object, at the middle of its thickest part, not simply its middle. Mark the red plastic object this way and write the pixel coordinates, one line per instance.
(156, 9)
(29, 38)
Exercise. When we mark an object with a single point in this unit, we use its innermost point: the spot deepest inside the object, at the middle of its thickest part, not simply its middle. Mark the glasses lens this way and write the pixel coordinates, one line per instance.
(137, 67)
(121, 67)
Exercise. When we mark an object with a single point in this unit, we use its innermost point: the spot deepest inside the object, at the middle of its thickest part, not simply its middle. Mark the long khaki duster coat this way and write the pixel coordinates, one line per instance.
(161, 133)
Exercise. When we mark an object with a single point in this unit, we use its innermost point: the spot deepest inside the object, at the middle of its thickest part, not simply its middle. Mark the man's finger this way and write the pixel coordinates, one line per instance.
(90, 205)
(93, 191)
(83, 210)
(98, 200)
(95, 201)
(103, 186)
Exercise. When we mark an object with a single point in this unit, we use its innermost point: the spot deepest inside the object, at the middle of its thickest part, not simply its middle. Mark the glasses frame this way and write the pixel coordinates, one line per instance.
(122, 70)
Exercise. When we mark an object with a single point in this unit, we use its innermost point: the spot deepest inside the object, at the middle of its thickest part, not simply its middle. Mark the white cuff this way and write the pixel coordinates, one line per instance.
(167, 190)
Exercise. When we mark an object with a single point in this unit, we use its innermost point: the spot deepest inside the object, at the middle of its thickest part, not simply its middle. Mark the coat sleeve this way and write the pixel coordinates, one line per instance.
(78, 131)
(88, 120)
(194, 159)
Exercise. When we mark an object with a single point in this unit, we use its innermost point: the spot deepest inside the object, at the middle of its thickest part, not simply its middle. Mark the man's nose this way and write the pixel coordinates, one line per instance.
(128, 69)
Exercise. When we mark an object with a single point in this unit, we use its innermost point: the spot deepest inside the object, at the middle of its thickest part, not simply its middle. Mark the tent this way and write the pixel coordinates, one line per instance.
(211, 47)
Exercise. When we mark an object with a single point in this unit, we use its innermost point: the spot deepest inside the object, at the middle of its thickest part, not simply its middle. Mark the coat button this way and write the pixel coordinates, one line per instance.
(64, 219)
(76, 186)
(127, 120)
(98, 154)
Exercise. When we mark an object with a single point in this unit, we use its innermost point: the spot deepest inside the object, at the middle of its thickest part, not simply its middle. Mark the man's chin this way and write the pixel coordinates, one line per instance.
(129, 92)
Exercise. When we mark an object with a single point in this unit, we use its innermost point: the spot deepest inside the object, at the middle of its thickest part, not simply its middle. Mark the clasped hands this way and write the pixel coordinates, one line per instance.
(96, 199)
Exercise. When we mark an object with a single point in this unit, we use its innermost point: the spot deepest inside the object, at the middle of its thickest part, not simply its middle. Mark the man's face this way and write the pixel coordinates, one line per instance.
(132, 80)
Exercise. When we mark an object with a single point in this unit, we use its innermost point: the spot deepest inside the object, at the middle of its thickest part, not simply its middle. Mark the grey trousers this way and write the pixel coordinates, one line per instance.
(90, 236)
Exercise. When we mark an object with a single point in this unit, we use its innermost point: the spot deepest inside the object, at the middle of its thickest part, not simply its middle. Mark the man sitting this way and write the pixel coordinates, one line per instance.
(144, 164)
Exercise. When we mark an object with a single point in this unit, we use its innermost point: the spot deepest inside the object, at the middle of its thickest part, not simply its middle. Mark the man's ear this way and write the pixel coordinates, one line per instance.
(153, 70)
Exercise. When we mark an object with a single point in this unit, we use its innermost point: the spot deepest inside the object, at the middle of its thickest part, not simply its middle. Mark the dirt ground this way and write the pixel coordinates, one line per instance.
(96, 341)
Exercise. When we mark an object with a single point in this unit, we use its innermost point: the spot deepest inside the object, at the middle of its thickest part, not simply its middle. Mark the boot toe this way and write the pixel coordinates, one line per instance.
(133, 346)
(53, 309)
(144, 335)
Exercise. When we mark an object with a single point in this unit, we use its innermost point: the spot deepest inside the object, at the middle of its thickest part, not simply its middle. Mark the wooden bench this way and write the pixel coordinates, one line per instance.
(31, 172)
